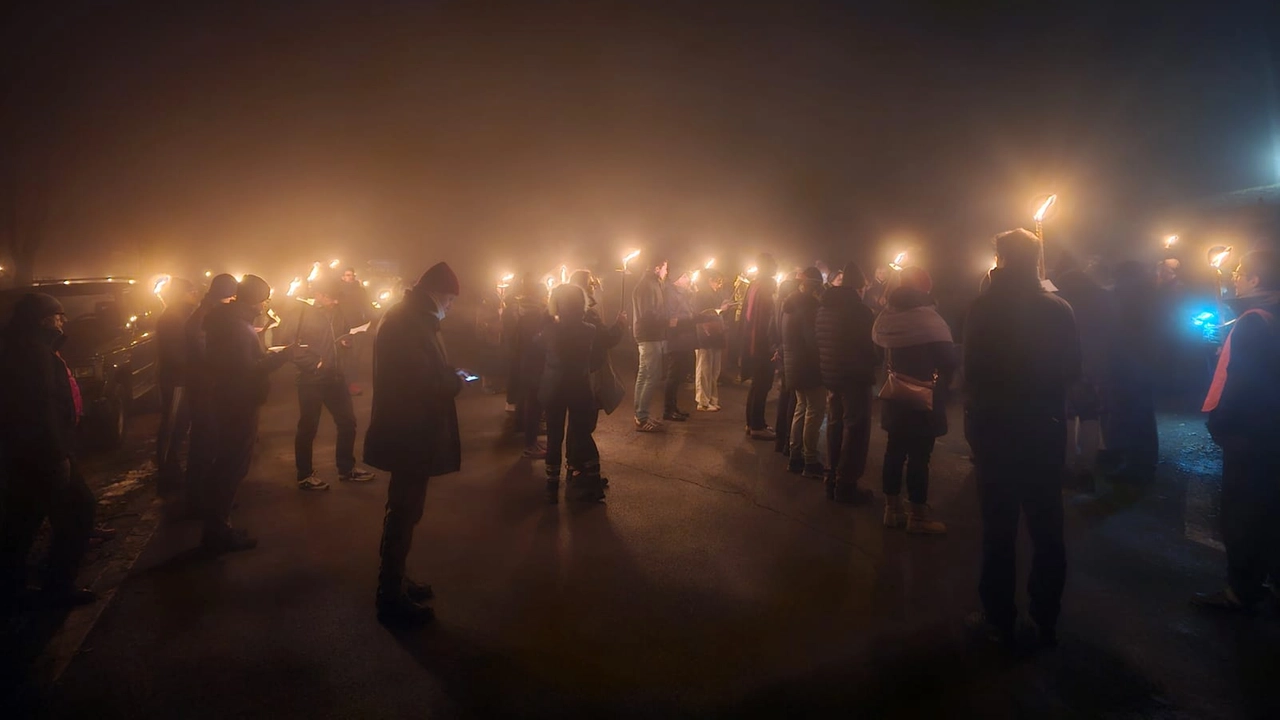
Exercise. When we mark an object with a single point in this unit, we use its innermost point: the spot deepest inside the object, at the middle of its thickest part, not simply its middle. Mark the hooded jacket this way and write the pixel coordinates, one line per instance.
(171, 344)
(649, 309)
(318, 328)
(918, 344)
(414, 423)
(801, 367)
(1248, 408)
(39, 407)
(846, 355)
(1021, 354)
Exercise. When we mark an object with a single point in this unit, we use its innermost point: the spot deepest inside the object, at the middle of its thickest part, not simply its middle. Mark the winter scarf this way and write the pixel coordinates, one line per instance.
(909, 320)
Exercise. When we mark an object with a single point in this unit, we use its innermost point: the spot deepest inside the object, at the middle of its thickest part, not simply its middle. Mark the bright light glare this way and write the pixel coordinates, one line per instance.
(159, 286)
(629, 257)
(710, 264)
(315, 272)
(293, 287)
(695, 275)
(780, 277)
(1216, 260)
(385, 295)
(898, 261)
(753, 270)
(208, 273)
(1169, 241)
(334, 265)
(1048, 203)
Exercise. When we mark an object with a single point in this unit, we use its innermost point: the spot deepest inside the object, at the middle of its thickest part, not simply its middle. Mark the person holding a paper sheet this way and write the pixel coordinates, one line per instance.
(320, 333)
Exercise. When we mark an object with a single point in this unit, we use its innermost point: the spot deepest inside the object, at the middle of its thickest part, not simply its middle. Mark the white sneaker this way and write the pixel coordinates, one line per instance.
(312, 483)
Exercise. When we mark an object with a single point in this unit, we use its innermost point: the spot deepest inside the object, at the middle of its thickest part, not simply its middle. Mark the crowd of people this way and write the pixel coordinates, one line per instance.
(1045, 382)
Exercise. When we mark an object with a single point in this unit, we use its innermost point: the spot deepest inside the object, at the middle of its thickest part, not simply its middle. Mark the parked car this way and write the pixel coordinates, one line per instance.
(110, 347)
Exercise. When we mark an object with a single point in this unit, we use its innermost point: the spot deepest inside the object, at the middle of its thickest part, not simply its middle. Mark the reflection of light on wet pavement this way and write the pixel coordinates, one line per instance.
(1185, 444)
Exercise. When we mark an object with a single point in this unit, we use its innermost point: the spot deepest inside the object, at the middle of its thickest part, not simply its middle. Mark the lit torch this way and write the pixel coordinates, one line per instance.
(1169, 241)
(293, 287)
(160, 285)
(622, 286)
(1218, 255)
(334, 265)
(898, 261)
(710, 264)
(504, 282)
(1039, 218)
(564, 274)
(315, 272)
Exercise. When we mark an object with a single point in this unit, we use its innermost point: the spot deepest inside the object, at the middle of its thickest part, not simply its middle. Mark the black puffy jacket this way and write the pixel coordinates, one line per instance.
(846, 355)
(800, 364)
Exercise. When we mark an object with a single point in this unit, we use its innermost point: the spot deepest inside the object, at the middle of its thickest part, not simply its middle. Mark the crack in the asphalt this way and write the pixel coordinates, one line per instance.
(750, 497)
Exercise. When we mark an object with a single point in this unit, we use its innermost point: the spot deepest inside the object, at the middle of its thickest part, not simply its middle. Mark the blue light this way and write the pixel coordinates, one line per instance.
(1204, 318)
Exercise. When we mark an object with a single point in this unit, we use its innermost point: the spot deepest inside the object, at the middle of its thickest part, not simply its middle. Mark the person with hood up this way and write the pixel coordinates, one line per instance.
(530, 317)
(41, 407)
(918, 345)
(241, 372)
(180, 301)
(413, 431)
(565, 392)
(759, 351)
(803, 373)
(1021, 354)
(649, 305)
(203, 447)
(320, 333)
(1244, 420)
(848, 361)
(709, 303)
(681, 339)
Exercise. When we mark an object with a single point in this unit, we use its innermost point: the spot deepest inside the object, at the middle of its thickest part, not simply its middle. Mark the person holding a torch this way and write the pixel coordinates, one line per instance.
(651, 322)
(1244, 420)
(759, 351)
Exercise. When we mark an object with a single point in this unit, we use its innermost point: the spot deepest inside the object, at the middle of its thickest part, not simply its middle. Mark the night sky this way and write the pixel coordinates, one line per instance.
(260, 136)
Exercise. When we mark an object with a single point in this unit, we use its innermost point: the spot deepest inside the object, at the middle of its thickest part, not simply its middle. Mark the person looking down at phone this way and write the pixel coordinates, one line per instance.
(319, 332)
(413, 432)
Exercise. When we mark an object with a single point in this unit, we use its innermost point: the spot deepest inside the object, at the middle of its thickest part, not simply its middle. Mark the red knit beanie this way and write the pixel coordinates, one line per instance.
(440, 279)
(917, 278)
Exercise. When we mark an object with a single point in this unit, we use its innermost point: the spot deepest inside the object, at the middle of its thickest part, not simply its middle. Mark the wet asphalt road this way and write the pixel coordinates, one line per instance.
(712, 582)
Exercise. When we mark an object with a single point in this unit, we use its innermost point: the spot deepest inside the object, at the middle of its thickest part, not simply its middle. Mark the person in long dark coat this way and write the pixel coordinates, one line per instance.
(1133, 441)
(785, 409)
(413, 431)
(530, 317)
(759, 350)
(202, 449)
(181, 300)
(919, 346)
(803, 375)
(39, 409)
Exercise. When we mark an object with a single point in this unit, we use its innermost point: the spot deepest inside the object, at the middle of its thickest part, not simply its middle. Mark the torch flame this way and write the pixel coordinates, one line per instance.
(780, 277)
(551, 282)
(695, 275)
(164, 280)
(753, 270)
(1169, 241)
(1048, 203)
(564, 274)
(629, 257)
(293, 287)
(1216, 261)
(710, 263)
(315, 272)
(334, 265)
(898, 261)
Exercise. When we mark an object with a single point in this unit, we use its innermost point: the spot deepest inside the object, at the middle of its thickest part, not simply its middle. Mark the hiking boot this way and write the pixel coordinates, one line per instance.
(850, 494)
(311, 483)
(1223, 601)
(418, 592)
(227, 540)
(986, 631)
(919, 522)
(398, 611)
(795, 464)
(585, 488)
(895, 515)
(357, 475)
(814, 471)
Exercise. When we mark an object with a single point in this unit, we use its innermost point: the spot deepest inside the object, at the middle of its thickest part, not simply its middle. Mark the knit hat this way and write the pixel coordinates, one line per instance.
(222, 287)
(37, 306)
(917, 278)
(811, 273)
(252, 290)
(439, 278)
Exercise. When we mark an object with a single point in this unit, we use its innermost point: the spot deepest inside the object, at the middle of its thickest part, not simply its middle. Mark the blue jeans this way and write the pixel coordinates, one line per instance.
(649, 376)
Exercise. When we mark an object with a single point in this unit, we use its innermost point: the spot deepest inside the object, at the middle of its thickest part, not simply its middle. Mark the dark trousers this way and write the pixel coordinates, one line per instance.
(237, 433)
(203, 448)
(913, 451)
(786, 411)
(1130, 427)
(175, 423)
(848, 431)
(580, 449)
(406, 493)
(31, 496)
(529, 413)
(761, 383)
(335, 396)
(678, 365)
(349, 360)
(1251, 521)
(1007, 492)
